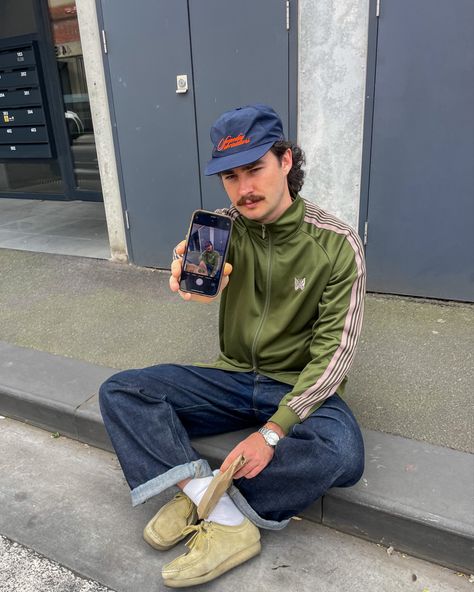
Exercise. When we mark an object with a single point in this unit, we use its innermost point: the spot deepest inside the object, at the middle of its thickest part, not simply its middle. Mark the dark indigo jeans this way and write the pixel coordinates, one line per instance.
(151, 414)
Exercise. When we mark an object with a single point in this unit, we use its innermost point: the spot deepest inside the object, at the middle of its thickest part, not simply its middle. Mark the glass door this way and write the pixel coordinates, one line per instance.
(77, 113)
(47, 142)
(21, 176)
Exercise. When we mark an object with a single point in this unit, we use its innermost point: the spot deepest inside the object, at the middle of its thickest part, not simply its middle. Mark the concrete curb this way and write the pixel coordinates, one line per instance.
(413, 496)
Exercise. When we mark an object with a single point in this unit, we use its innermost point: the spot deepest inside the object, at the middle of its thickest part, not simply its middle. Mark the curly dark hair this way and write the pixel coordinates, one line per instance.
(296, 174)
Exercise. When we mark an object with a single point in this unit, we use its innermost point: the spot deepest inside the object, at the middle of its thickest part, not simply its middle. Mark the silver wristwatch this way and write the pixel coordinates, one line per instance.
(271, 437)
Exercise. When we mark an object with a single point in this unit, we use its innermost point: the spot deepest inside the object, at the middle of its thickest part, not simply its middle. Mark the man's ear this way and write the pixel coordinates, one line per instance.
(287, 161)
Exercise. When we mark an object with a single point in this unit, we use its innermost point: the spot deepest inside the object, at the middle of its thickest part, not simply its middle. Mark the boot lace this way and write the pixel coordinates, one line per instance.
(201, 532)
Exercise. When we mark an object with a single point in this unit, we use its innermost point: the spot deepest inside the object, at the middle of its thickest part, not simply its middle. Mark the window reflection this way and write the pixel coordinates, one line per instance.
(68, 49)
(17, 17)
(30, 177)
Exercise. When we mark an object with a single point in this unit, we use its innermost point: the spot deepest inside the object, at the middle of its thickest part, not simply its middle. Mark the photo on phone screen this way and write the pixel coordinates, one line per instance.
(206, 251)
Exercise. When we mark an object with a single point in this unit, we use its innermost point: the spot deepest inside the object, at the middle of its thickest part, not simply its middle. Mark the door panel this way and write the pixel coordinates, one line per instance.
(421, 206)
(148, 47)
(233, 53)
(240, 56)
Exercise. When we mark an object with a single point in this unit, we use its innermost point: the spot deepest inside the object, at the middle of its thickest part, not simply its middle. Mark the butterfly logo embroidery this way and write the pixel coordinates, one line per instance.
(299, 284)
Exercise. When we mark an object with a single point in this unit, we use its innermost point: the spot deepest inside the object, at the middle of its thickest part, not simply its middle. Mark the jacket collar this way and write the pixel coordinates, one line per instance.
(283, 228)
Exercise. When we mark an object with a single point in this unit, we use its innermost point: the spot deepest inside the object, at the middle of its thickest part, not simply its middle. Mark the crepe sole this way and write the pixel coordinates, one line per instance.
(229, 563)
(149, 538)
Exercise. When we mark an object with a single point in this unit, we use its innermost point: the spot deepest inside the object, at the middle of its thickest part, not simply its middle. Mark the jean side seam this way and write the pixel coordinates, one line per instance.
(181, 444)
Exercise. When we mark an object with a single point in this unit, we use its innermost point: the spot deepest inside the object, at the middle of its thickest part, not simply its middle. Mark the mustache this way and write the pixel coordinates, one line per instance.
(252, 198)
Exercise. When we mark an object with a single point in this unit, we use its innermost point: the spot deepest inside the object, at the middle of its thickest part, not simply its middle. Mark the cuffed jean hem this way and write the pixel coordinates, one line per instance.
(195, 468)
(251, 514)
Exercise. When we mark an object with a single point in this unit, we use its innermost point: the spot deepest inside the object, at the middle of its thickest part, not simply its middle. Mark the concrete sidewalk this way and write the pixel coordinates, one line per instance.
(411, 387)
(72, 505)
(413, 375)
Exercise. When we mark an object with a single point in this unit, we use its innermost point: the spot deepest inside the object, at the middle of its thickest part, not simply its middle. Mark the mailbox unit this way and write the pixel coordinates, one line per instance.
(23, 124)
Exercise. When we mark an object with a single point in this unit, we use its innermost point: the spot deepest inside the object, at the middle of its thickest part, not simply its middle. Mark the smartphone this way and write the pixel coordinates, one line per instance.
(205, 254)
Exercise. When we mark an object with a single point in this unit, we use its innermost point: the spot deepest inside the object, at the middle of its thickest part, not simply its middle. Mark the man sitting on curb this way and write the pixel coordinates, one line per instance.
(290, 317)
(209, 260)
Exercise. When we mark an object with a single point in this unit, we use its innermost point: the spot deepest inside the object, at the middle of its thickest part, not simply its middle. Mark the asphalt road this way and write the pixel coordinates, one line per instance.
(24, 570)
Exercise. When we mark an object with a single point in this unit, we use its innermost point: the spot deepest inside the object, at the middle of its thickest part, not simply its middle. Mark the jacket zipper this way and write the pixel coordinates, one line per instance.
(267, 300)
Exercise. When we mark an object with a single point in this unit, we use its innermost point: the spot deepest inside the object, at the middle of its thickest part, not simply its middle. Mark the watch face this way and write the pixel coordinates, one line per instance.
(272, 438)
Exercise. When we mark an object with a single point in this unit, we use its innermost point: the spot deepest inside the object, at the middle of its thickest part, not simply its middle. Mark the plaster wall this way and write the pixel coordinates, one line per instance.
(332, 42)
(92, 52)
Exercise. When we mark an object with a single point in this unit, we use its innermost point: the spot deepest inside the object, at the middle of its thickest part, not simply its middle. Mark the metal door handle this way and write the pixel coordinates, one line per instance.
(77, 120)
(181, 83)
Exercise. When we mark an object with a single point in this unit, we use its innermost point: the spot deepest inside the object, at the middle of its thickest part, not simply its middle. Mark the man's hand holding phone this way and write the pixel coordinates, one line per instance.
(201, 272)
(176, 269)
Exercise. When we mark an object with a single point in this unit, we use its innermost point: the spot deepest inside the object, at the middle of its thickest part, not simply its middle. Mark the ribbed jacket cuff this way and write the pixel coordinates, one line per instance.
(285, 418)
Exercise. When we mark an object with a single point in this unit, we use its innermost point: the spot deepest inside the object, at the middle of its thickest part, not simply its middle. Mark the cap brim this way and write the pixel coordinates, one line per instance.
(232, 161)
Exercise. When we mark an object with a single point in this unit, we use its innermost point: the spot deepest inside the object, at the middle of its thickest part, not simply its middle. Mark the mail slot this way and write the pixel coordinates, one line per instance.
(18, 78)
(23, 120)
(31, 134)
(14, 98)
(25, 116)
(17, 58)
(25, 151)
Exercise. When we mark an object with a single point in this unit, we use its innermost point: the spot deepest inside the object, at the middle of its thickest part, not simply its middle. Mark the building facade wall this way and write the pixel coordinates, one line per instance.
(332, 40)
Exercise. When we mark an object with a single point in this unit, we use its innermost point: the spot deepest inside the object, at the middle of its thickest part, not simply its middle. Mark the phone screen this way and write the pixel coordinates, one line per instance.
(206, 251)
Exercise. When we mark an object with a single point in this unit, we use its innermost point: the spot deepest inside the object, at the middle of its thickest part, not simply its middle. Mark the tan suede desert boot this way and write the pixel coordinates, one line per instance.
(167, 527)
(213, 550)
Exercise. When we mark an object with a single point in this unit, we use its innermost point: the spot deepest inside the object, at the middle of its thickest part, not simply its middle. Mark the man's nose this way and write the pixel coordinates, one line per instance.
(245, 186)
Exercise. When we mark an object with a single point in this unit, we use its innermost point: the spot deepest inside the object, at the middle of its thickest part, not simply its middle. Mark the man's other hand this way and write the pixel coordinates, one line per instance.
(176, 268)
(257, 454)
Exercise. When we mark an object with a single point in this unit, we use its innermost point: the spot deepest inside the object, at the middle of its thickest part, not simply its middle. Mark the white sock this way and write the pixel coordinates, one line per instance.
(225, 512)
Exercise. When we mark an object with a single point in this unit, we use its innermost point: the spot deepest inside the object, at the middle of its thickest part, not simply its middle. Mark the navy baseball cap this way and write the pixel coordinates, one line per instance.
(242, 136)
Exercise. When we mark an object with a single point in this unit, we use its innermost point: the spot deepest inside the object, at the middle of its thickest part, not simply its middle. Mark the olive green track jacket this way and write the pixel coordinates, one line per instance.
(294, 304)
